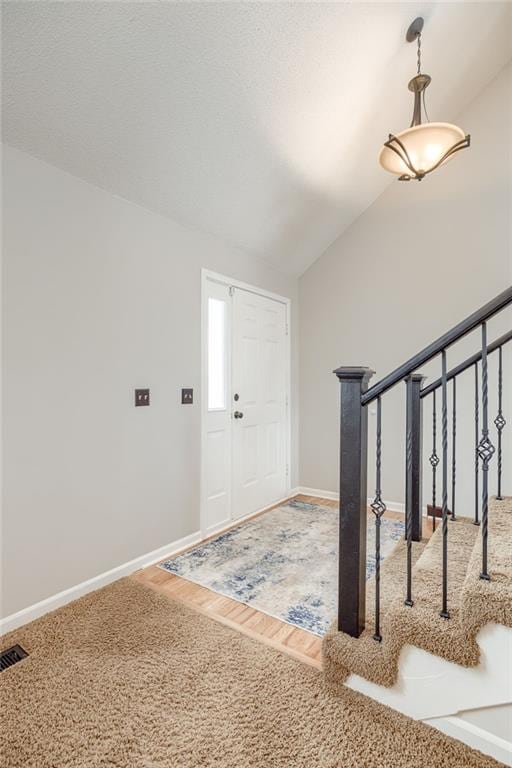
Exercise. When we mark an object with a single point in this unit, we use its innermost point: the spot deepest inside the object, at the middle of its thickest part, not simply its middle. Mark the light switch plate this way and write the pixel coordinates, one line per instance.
(187, 396)
(141, 397)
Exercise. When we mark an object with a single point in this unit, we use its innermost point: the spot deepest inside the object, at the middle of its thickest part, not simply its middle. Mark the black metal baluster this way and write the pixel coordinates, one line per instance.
(499, 421)
(413, 474)
(378, 508)
(454, 439)
(444, 610)
(485, 451)
(434, 459)
(477, 437)
(408, 518)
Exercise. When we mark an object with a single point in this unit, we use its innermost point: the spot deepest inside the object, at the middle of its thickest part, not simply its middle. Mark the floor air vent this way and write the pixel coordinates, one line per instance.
(11, 656)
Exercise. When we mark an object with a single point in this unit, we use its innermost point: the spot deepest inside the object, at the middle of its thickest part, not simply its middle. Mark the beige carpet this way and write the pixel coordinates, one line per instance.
(472, 603)
(127, 678)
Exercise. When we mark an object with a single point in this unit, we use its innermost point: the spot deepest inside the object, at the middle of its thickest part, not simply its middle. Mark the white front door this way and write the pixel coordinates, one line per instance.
(245, 403)
(259, 402)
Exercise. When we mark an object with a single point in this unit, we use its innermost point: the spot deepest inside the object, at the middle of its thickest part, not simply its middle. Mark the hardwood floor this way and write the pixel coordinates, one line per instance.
(295, 642)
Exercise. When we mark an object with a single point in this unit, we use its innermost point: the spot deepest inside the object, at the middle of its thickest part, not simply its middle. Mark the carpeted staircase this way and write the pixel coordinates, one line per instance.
(472, 603)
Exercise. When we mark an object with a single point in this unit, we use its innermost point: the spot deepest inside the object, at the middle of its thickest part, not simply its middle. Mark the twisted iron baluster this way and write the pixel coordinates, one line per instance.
(454, 438)
(485, 451)
(477, 436)
(434, 459)
(444, 610)
(408, 519)
(378, 508)
(499, 421)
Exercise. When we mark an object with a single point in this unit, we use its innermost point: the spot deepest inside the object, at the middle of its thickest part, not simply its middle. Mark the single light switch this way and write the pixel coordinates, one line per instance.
(187, 396)
(141, 397)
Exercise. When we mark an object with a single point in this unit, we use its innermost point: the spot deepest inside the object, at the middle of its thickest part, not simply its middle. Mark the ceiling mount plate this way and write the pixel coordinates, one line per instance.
(414, 30)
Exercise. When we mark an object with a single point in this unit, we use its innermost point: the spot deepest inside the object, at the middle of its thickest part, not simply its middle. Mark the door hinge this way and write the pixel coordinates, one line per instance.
(231, 290)
(287, 470)
(286, 329)
(286, 400)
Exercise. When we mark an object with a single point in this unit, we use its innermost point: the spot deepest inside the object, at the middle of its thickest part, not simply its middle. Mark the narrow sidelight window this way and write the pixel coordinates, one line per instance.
(216, 354)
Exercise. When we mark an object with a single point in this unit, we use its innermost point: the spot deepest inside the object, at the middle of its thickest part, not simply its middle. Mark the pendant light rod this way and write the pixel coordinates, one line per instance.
(420, 82)
(418, 85)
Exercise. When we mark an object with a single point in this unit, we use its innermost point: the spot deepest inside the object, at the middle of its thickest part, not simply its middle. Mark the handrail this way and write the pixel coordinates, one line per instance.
(466, 364)
(434, 349)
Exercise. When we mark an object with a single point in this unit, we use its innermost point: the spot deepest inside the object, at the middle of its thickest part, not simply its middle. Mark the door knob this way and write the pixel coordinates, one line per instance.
(238, 415)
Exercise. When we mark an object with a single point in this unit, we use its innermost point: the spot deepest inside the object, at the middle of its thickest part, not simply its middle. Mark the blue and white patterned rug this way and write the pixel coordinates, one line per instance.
(283, 562)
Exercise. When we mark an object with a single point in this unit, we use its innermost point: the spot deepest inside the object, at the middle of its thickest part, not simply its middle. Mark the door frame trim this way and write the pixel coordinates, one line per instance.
(208, 275)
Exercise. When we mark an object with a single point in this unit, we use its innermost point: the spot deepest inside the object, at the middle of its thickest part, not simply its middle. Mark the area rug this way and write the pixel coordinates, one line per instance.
(128, 678)
(284, 563)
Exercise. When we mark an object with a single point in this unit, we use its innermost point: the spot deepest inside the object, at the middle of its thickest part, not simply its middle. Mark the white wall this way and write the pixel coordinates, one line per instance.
(100, 296)
(488, 729)
(419, 260)
(497, 720)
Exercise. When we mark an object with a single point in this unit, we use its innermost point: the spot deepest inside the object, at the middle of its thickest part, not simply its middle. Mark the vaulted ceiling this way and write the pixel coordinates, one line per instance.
(258, 122)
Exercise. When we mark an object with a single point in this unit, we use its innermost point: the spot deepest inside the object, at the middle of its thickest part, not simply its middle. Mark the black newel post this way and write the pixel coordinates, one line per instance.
(414, 461)
(353, 500)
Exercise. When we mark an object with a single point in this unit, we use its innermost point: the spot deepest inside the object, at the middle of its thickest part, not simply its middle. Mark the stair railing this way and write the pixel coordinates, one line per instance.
(355, 399)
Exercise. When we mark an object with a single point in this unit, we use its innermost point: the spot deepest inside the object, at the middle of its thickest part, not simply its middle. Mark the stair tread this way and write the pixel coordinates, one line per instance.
(421, 625)
(462, 536)
(427, 572)
(490, 599)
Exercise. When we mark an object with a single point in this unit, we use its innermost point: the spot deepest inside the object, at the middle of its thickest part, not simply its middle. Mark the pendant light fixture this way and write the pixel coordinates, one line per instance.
(424, 146)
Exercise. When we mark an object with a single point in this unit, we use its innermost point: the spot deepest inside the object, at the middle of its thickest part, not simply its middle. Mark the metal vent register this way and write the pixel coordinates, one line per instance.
(11, 656)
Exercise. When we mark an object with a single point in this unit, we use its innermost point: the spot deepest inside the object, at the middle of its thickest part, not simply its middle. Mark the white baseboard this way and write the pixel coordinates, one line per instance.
(225, 525)
(317, 492)
(32, 612)
(393, 506)
(475, 737)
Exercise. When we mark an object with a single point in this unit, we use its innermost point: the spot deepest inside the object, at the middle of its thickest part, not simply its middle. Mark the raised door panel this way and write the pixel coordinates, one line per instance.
(259, 381)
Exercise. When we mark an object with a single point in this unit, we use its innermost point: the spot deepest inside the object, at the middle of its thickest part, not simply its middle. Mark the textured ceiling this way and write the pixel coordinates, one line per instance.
(259, 122)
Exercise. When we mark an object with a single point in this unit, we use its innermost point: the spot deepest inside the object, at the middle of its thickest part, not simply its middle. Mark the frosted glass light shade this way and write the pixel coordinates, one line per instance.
(425, 145)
